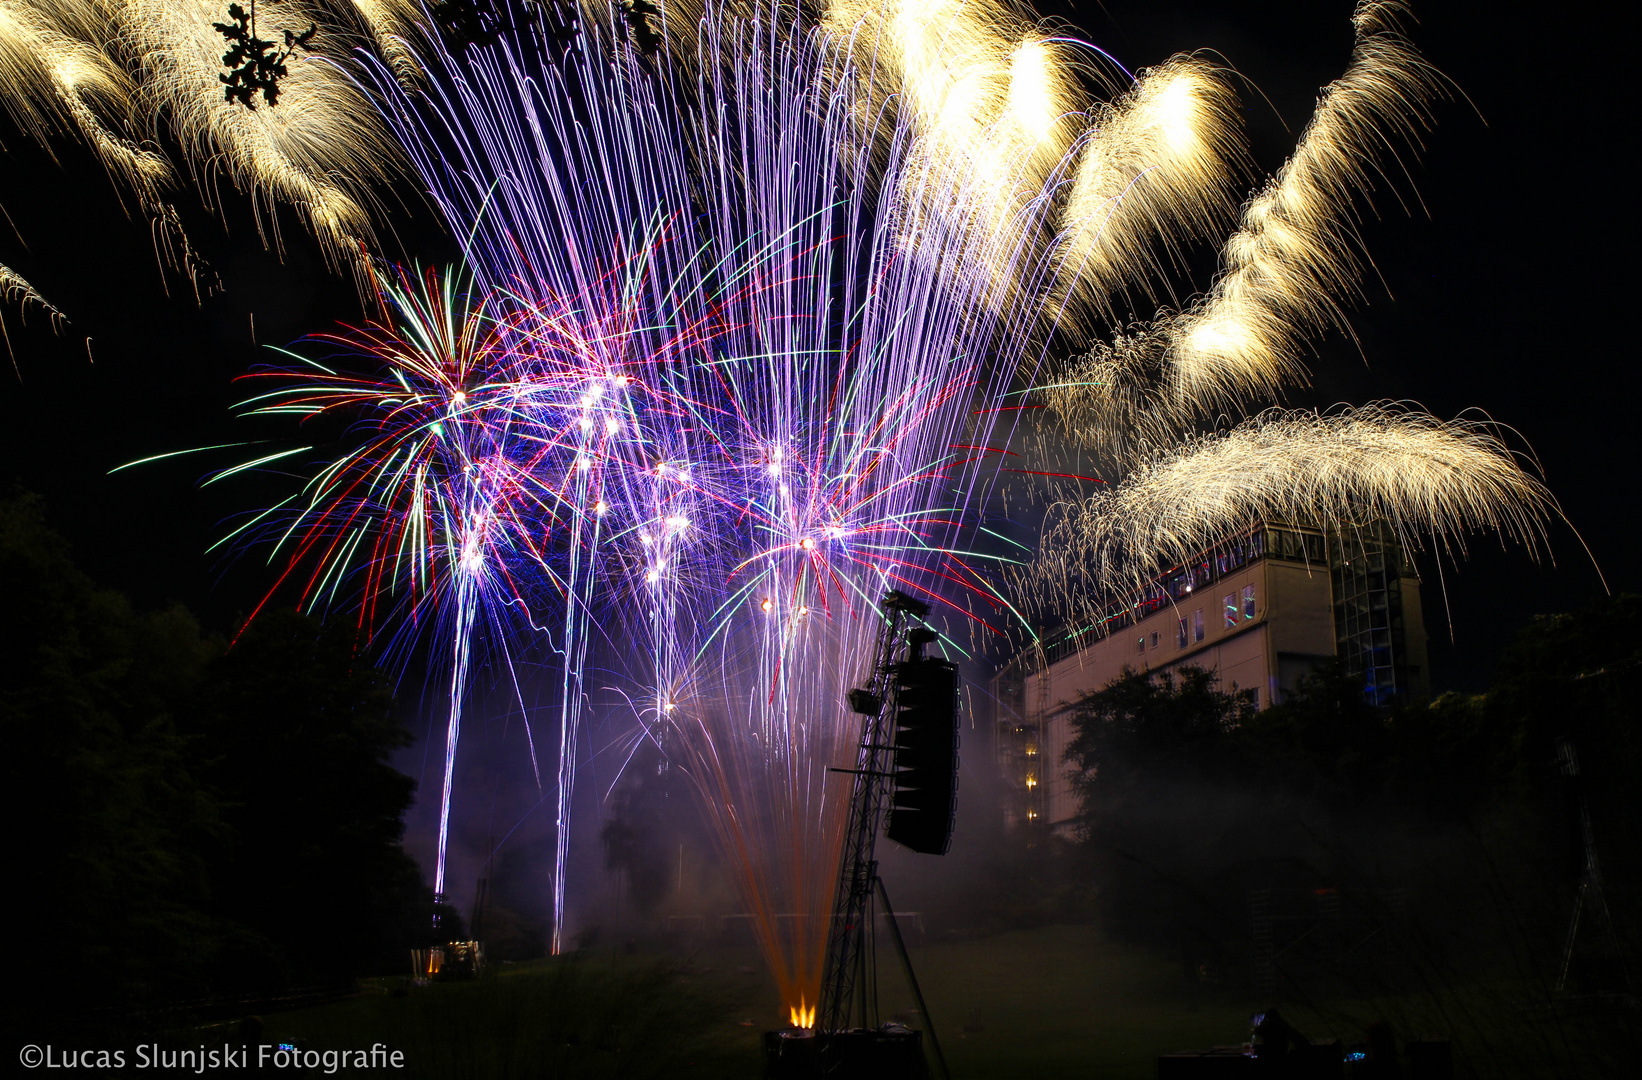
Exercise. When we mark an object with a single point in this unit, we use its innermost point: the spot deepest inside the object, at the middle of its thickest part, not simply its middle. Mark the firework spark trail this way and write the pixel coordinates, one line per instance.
(849, 389)
(431, 518)
(15, 290)
(987, 97)
(1156, 168)
(50, 77)
(1295, 253)
(466, 605)
(1136, 400)
(777, 414)
(123, 74)
(548, 194)
(1387, 462)
(750, 364)
(1286, 270)
(397, 27)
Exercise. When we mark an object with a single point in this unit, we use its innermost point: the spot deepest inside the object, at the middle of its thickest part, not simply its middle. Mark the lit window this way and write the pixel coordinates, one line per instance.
(1181, 639)
(1230, 604)
(1140, 645)
(1197, 625)
(1248, 601)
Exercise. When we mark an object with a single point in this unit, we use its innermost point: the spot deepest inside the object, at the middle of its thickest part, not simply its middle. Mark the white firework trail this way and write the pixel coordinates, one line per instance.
(1381, 462)
(130, 76)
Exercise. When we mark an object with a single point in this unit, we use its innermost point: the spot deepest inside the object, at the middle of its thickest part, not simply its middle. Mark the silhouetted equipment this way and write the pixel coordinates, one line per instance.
(912, 779)
(1591, 894)
(451, 961)
(865, 702)
(1276, 1050)
(1270, 1036)
(481, 902)
(892, 1052)
(1196, 1064)
(925, 781)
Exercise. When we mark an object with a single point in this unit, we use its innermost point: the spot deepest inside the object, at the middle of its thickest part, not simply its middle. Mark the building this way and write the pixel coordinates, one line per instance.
(1260, 609)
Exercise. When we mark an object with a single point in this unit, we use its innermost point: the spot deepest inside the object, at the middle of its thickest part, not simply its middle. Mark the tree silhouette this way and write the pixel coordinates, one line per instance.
(255, 64)
(642, 19)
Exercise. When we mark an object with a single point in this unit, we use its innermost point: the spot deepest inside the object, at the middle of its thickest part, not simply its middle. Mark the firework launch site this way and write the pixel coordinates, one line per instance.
(844, 538)
(1057, 1000)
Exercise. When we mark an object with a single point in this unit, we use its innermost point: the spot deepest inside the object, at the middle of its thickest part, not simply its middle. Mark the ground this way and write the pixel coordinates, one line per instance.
(1046, 1002)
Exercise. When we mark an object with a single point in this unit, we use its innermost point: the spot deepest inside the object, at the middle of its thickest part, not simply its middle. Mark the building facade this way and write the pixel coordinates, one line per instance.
(1260, 609)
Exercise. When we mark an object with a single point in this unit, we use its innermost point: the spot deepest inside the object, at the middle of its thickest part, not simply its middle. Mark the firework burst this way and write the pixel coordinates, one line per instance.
(784, 409)
(427, 519)
(753, 312)
(126, 77)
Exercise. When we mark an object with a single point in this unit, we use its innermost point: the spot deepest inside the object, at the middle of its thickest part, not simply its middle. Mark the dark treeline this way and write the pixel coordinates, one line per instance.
(189, 819)
(1425, 847)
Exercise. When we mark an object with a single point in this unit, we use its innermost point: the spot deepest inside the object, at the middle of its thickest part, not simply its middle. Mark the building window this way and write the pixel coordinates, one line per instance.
(1140, 645)
(1230, 604)
(1154, 639)
(1181, 641)
(1197, 625)
(1248, 601)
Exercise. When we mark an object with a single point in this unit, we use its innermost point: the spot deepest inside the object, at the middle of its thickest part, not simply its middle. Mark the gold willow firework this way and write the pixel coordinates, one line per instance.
(1003, 104)
(121, 75)
(999, 102)
(14, 290)
(827, 441)
(1378, 462)
(1135, 400)
(1285, 271)
(1075, 196)
(1034, 210)
(996, 102)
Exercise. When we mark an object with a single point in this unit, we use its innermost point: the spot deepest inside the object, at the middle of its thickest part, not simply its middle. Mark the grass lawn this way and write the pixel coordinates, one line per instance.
(1062, 1001)
(577, 1016)
(1047, 1002)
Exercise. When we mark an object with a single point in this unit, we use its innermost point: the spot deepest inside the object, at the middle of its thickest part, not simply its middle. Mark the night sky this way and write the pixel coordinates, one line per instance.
(1505, 286)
